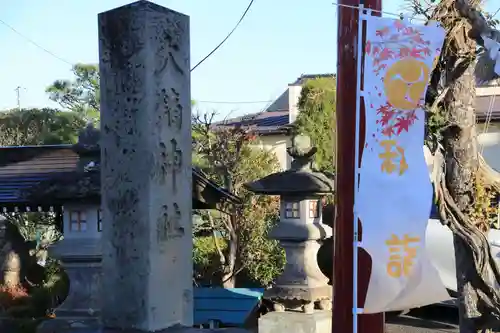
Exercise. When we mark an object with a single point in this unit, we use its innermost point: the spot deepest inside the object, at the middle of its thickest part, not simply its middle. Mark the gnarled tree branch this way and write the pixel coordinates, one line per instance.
(459, 163)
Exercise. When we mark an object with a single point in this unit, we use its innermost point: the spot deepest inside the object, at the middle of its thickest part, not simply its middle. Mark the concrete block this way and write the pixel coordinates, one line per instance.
(296, 322)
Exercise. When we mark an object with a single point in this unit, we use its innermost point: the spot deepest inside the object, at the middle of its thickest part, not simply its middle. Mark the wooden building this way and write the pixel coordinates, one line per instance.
(66, 179)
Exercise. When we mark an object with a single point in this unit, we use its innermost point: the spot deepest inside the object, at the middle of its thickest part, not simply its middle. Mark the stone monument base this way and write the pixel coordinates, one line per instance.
(69, 324)
(183, 330)
(88, 329)
(296, 322)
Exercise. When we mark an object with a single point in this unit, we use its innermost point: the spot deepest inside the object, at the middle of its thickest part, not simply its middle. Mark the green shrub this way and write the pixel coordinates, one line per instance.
(206, 260)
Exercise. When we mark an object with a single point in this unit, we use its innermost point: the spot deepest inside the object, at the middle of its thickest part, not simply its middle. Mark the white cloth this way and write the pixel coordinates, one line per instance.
(395, 193)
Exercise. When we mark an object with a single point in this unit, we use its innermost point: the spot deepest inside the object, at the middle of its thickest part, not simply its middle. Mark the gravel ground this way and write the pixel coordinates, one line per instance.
(424, 320)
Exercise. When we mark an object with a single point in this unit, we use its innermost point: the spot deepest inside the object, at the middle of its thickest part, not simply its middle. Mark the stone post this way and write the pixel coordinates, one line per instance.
(146, 167)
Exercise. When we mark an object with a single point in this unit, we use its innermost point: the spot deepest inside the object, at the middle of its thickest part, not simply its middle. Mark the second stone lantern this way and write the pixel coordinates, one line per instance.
(300, 230)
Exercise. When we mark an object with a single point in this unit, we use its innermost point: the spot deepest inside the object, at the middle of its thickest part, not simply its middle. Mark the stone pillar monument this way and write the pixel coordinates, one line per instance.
(145, 168)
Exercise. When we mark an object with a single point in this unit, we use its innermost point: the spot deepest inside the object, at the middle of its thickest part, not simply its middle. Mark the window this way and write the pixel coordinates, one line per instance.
(314, 208)
(292, 210)
(99, 220)
(77, 221)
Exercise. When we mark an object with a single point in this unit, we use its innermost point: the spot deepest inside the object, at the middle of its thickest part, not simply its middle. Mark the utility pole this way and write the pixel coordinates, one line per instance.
(344, 180)
(18, 92)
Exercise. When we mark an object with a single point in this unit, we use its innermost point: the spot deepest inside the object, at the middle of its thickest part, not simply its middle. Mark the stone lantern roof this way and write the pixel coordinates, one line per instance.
(301, 179)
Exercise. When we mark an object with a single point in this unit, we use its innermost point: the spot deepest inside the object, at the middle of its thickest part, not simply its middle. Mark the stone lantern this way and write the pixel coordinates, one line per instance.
(300, 230)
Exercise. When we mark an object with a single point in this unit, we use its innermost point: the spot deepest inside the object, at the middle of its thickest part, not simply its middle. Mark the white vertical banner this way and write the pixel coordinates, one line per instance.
(395, 193)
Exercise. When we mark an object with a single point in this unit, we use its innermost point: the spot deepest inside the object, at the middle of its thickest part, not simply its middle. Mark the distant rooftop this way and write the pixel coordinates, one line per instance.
(263, 122)
(304, 77)
(277, 122)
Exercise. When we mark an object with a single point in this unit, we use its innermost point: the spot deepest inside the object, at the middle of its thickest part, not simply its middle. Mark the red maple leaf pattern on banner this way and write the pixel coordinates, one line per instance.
(407, 42)
(391, 45)
(394, 121)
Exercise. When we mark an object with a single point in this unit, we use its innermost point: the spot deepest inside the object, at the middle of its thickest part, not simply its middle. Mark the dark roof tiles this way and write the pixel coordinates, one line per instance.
(53, 171)
(263, 122)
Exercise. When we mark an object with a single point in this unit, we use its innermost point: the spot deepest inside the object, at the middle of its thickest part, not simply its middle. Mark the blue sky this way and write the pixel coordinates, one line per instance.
(277, 42)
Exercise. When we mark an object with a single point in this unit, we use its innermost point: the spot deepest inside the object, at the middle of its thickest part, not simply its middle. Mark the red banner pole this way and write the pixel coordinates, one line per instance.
(344, 194)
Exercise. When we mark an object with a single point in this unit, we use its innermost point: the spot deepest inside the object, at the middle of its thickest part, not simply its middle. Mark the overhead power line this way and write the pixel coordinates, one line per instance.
(34, 43)
(234, 102)
(495, 14)
(227, 37)
(69, 63)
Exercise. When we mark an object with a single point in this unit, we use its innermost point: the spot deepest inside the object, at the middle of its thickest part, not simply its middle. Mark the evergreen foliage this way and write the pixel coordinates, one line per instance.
(317, 119)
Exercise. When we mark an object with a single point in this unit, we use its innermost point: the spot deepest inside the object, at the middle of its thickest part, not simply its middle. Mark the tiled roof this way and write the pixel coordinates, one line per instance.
(11, 187)
(23, 168)
(37, 159)
(264, 122)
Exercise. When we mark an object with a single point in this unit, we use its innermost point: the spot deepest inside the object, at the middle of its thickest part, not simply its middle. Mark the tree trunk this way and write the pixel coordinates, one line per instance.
(9, 254)
(11, 268)
(456, 192)
(460, 149)
(453, 78)
(229, 278)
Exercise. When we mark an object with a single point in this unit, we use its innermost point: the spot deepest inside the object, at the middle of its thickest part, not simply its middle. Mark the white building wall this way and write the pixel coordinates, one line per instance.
(276, 144)
(293, 100)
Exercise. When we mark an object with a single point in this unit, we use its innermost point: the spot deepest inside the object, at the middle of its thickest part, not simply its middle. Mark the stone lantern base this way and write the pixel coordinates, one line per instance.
(302, 285)
(300, 299)
(81, 260)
